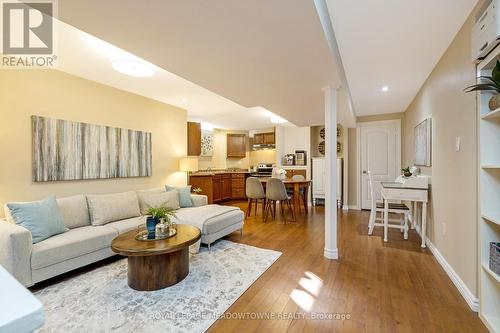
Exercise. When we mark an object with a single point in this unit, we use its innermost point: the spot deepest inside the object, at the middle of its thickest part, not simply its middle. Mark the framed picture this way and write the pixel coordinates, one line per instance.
(207, 143)
(422, 140)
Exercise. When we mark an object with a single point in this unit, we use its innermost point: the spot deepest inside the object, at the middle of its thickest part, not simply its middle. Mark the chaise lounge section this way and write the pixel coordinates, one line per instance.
(86, 241)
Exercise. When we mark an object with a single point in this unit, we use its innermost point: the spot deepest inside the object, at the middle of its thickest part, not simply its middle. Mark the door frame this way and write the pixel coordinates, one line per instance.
(397, 122)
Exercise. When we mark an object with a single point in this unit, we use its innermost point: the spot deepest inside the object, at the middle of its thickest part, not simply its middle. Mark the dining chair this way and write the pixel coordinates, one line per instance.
(254, 192)
(276, 192)
(302, 191)
(378, 207)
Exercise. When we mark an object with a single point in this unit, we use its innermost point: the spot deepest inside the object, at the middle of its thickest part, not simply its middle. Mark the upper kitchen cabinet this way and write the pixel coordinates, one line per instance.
(264, 138)
(236, 145)
(193, 139)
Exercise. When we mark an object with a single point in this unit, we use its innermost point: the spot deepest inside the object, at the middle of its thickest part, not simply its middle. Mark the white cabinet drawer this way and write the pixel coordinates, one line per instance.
(405, 194)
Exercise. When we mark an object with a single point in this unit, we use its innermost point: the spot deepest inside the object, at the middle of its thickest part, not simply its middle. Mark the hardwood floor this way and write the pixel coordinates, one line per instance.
(382, 287)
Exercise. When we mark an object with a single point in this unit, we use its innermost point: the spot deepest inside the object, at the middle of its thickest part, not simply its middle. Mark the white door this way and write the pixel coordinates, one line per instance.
(380, 149)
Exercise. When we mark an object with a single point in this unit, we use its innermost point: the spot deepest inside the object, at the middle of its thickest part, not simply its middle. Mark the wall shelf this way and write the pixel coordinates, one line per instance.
(494, 218)
(491, 114)
(490, 272)
(488, 130)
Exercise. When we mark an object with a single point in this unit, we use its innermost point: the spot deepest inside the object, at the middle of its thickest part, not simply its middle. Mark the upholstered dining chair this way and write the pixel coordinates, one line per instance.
(276, 192)
(255, 192)
(378, 207)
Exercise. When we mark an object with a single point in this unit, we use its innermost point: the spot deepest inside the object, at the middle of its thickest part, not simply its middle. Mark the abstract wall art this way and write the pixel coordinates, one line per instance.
(423, 138)
(68, 150)
(207, 143)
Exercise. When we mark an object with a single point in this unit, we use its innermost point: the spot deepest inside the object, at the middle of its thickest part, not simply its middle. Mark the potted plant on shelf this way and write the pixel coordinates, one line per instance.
(490, 84)
(406, 172)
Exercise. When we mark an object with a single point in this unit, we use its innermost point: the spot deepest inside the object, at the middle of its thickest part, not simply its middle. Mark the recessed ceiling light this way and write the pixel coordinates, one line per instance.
(385, 88)
(184, 100)
(133, 68)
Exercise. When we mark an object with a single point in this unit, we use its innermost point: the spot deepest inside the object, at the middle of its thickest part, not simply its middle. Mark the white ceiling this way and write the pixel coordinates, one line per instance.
(394, 43)
(270, 53)
(86, 56)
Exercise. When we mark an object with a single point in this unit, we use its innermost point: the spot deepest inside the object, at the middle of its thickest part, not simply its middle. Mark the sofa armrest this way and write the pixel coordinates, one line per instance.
(15, 251)
(199, 200)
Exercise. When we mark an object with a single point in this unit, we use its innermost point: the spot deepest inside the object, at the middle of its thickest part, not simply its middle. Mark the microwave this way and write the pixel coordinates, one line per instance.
(300, 157)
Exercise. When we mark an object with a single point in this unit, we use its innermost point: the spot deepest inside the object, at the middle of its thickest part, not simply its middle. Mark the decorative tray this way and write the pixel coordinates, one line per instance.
(145, 236)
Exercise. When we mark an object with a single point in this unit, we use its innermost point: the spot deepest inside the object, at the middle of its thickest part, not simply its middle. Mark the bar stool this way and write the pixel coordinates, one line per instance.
(276, 192)
(254, 192)
(397, 208)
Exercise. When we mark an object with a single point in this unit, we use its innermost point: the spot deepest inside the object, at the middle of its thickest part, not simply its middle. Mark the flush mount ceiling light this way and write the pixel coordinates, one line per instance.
(133, 68)
(385, 89)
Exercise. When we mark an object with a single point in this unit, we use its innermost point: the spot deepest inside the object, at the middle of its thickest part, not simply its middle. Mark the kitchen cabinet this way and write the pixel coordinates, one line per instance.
(269, 138)
(236, 145)
(220, 186)
(226, 186)
(193, 139)
(238, 185)
(264, 138)
(217, 188)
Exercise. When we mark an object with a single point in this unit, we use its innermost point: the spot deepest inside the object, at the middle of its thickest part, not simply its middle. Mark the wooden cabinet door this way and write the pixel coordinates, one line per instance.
(206, 185)
(238, 185)
(226, 186)
(258, 139)
(193, 139)
(236, 145)
(217, 188)
(268, 138)
(300, 172)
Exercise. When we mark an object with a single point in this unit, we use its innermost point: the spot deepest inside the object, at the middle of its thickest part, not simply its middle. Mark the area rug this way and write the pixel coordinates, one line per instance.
(101, 301)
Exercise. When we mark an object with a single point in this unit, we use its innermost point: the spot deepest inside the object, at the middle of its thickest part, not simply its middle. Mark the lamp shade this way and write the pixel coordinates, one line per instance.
(188, 164)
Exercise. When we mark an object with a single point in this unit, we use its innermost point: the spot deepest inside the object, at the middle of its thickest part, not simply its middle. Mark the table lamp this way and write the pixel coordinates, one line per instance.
(188, 164)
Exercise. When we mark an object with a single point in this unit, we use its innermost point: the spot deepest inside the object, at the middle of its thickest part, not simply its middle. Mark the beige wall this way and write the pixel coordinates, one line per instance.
(453, 113)
(262, 156)
(55, 94)
(353, 152)
(219, 159)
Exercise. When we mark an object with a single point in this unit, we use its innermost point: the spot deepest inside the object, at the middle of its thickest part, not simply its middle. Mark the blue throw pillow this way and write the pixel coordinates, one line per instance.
(184, 195)
(41, 218)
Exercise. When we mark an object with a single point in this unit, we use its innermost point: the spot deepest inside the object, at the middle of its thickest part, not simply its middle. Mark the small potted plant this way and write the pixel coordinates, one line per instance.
(490, 84)
(159, 215)
(406, 172)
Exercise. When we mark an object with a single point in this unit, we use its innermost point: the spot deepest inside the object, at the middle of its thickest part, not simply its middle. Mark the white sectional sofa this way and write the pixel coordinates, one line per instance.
(85, 242)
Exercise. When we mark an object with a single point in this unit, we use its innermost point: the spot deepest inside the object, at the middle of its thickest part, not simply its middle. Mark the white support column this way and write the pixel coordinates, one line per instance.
(331, 251)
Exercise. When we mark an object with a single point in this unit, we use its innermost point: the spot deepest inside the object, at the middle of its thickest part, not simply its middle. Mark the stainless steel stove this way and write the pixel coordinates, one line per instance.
(263, 170)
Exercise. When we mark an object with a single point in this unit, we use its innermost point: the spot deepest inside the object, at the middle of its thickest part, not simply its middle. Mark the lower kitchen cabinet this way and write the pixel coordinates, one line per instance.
(220, 187)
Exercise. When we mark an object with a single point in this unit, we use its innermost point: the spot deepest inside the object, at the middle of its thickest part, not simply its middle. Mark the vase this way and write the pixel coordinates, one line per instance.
(161, 228)
(151, 223)
(494, 102)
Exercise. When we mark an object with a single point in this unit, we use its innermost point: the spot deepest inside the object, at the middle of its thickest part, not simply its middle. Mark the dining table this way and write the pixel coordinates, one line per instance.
(296, 185)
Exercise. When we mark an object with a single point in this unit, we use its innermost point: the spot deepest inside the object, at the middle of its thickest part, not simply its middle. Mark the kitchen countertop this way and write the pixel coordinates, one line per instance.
(216, 172)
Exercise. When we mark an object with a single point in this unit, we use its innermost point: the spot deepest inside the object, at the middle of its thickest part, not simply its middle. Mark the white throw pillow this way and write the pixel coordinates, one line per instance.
(148, 199)
(105, 208)
(74, 211)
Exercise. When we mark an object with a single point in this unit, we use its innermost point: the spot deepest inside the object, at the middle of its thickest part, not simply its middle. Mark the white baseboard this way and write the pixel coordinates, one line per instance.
(469, 297)
(353, 207)
(331, 254)
(345, 207)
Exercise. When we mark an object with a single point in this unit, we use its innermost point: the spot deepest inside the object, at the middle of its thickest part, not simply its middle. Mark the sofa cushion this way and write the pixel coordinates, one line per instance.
(105, 208)
(148, 199)
(74, 211)
(42, 218)
(128, 224)
(214, 224)
(184, 195)
(71, 244)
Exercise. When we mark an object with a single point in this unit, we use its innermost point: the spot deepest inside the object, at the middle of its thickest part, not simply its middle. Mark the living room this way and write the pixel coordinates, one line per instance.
(191, 166)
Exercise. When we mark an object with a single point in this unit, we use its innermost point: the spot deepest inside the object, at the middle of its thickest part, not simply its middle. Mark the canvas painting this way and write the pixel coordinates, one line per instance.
(422, 137)
(68, 150)
(207, 143)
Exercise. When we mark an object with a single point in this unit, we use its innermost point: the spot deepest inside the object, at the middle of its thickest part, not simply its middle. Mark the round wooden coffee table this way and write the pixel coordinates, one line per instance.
(157, 264)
